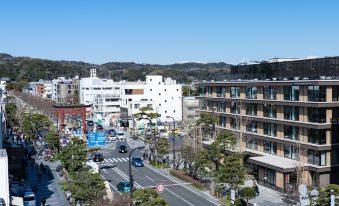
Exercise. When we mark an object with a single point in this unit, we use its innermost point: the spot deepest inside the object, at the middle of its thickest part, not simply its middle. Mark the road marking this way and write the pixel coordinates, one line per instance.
(179, 197)
(106, 161)
(104, 171)
(149, 178)
(110, 160)
(115, 160)
(119, 159)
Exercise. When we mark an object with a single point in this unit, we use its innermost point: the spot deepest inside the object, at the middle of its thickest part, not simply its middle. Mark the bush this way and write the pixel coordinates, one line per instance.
(186, 178)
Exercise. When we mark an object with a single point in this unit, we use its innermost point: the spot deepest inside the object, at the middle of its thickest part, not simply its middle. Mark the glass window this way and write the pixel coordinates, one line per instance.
(335, 93)
(220, 91)
(335, 156)
(291, 152)
(136, 106)
(317, 136)
(317, 157)
(267, 175)
(222, 121)
(291, 132)
(270, 129)
(291, 113)
(270, 147)
(252, 144)
(270, 92)
(209, 91)
(235, 92)
(221, 106)
(251, 92)
(270, 110)
(234, 123)
(316, 93)
(202, 91)
(251, 127)
(291, 93)
(235, 107)
(317, 115)
(251, 109)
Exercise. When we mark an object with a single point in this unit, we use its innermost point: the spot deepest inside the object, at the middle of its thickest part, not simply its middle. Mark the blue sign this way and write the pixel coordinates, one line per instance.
(78, 132)
(96, 139)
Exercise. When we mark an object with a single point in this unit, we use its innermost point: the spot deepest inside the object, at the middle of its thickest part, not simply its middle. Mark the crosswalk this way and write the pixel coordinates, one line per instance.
(113, 160)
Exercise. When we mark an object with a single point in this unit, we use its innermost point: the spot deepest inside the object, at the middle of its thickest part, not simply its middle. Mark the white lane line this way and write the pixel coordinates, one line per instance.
(179, 197)
(111, 185)
(104, 171)
(149, 178)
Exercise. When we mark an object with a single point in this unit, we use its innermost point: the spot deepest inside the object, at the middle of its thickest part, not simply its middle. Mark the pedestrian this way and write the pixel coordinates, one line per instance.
(144, 156)
(256, 188)
(35, 189)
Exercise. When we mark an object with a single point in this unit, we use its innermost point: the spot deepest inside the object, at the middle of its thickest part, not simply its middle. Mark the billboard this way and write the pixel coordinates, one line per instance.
(96, 139)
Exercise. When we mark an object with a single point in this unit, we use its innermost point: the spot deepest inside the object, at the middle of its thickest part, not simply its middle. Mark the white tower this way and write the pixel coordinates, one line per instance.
(93, 73)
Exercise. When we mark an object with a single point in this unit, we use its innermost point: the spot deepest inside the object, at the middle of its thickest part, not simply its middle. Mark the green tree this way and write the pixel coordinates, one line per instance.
(85, 186)
(11, 110)
(148, 197)
(73, 156)
(186, 91)
(200, 165)
(52, 138)
(162, 146)
(325, 194)
(248, 193)
(34, 123)
(188, 154)
(207, 122)
(19, 86)
(232, 171)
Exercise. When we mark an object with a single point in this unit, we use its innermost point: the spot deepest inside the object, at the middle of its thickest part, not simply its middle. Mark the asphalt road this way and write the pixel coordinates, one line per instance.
(117, 170)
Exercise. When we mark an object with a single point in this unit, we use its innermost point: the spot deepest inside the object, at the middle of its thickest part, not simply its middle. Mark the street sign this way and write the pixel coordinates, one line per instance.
(303, 197)
(78, 132)
(96, 139)
(232, 196)
(160, 187)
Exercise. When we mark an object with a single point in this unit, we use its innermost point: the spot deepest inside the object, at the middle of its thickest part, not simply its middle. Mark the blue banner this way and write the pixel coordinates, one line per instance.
(96, 139)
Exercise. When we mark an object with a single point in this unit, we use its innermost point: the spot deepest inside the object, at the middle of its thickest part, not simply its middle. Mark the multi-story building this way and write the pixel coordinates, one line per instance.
(65, 91)
(104, 94)
(190, 105)
(163, 95)
(286, 126)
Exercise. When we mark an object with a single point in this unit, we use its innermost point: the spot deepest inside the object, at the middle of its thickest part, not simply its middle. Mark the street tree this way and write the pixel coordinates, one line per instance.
(52, 138)
(148, 197)
(35, 123)
(162, 146)
(232, 171)
(188, 153)
(73, 155)
(11, 110)
(201, 165)
(85, 186)
(247, 193)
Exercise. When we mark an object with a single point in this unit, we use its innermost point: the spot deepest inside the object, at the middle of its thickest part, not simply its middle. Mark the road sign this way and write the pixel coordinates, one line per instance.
(96, 139)
(160, 187)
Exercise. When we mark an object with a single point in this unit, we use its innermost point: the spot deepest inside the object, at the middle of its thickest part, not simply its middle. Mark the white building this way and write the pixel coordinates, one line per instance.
(104, 94)
(190, 105)
(4, 182)
(163, 95)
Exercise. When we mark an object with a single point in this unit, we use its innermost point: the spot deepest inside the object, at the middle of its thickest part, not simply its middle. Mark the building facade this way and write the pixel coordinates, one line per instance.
(104, 95)
(190, 105)
(163, 95)
(65, 91)
(287, 127)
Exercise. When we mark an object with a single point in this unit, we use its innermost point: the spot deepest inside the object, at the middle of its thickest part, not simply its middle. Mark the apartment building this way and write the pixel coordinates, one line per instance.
(285, 125)
(163, 95)
(65, 91)
(104, 95)
(190, 105)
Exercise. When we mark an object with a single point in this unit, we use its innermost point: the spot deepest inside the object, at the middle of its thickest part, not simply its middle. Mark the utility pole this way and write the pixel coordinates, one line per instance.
(173, 134)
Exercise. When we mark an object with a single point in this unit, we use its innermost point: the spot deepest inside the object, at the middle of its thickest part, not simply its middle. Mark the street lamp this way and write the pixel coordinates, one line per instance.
(131, 180)
(173, 133)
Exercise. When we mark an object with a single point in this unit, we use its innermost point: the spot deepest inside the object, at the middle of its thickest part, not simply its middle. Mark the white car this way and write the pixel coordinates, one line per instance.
(164, 135)
(120, 136)
(112, 138)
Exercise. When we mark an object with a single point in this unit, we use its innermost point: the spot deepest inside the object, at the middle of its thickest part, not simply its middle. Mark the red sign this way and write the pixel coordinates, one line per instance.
(160, 187)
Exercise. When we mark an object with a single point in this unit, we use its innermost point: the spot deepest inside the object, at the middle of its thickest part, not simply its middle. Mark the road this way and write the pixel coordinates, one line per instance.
(176, 194)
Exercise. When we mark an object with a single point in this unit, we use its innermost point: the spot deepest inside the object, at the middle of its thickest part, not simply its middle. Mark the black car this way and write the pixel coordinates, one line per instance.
(99, 127)
(122, 149)
(90, 123)
(97, 157)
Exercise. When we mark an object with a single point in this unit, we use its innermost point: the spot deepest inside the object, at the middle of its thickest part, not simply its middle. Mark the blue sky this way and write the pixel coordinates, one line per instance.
(169, 31)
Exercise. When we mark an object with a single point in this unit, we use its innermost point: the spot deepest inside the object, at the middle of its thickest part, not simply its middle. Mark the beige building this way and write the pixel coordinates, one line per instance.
(289, 127)
(66, 91)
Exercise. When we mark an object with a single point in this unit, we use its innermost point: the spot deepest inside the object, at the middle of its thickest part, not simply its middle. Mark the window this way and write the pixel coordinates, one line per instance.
(173, 111)
(136, 106)
(165, 111)
(291, 152)
(235, 107)
(270, 92)
(165, 100)
(235, 92)
(159, 94)
(317, 136)
(267, 175)
(317, 157)
(220, 91)
(270, 129)
(335, 93)
(149, 105)
(251, 92)
(209, 91)
(252, 127)
(291, 113)
(270, 110)
(335, 156)
(202, 91)
(234, 123)
(291, 132)
(251, 109)
(165, 90)
(270, 147)
(317, 115)
(159, 105)
(291, 93)
(221, 107)
(222, 121)
(316, 93)
(252, 144)
(150, 90)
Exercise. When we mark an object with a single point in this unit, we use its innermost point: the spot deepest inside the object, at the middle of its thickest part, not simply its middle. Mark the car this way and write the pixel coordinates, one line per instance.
(111, 131)
(137, 162)
(97, 157)
(99, 127)
(90, 123)
(121, 136)
(29, 198)
(122, 149)
(124, 186)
